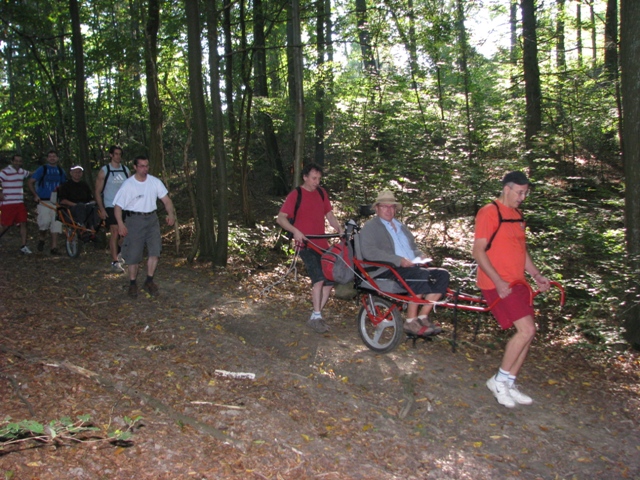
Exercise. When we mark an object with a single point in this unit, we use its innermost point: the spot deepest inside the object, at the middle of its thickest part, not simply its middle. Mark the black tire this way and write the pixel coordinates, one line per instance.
(386, 335)
(74, 245)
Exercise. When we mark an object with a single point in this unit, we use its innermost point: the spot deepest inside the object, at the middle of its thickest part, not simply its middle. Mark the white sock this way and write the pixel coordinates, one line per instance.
(502, 376)
(315, 315)
(409, 320)
(511, 381)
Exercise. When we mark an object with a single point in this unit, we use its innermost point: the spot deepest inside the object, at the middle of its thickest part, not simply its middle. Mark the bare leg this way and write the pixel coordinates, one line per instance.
(152, 264)
(133, 271)
(326, 291)
(113, 242)
(426, 308)
(316, 296)
(23, 232)
(518, 346)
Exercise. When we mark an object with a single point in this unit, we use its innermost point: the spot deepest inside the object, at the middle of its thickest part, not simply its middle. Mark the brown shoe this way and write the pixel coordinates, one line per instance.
(133, 290)
(435, 326)
(152, 288)
(417, 329)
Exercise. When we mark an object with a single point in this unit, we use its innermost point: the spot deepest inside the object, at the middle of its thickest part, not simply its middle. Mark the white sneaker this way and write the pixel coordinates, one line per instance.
(500, 390)
(518, 396)
(25, 250)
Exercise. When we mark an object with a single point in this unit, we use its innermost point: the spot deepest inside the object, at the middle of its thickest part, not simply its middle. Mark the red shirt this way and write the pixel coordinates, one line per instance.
(508, 249)
(310, 218)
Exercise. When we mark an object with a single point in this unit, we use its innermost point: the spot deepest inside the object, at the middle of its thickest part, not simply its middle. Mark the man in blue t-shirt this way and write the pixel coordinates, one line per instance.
(43, 184)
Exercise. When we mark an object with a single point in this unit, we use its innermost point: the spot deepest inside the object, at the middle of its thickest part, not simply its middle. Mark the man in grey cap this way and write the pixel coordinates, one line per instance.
(500, 249)
(385, 239)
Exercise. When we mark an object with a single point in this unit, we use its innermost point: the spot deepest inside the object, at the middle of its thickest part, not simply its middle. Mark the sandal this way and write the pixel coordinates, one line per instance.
(436, 328)
(417, 329)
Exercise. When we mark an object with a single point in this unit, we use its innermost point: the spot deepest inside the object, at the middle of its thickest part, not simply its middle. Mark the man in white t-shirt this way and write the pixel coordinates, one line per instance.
(137, 198)
(12, 200)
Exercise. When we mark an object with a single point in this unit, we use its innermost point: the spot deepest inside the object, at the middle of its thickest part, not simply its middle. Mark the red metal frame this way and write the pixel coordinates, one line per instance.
(452, 299)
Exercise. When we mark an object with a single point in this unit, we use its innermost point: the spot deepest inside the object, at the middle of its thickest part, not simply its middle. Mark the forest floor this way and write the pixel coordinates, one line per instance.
(320, 407)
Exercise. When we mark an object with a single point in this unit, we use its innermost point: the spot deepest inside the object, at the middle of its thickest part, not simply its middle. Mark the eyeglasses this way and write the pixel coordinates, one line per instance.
(387, 206)
(521, 193)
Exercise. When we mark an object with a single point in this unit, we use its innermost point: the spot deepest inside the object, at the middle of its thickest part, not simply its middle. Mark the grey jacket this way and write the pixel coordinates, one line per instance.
(376, 243)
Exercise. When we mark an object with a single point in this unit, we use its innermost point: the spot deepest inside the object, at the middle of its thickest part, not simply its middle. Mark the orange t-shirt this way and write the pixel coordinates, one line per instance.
(508, 249)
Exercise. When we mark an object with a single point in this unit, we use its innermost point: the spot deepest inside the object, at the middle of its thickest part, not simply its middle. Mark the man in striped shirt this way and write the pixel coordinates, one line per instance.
(12, 200)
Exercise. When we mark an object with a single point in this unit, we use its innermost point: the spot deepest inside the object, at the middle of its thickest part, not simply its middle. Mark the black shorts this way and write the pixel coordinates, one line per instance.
(422, 280)
(312, 262)
(111, 217)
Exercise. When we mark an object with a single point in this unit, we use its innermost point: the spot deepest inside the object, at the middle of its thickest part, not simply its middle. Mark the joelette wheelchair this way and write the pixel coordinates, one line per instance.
(382, 300)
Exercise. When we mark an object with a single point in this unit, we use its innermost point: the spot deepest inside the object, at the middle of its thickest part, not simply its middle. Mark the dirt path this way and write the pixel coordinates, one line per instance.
(321, 406)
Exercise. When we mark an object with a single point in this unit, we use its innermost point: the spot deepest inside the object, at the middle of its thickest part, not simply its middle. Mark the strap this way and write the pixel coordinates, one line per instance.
(500, 222)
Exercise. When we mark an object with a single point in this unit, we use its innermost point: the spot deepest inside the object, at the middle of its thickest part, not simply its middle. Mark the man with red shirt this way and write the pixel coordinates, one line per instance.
(500, 249)
(12, 200)
(309, 219)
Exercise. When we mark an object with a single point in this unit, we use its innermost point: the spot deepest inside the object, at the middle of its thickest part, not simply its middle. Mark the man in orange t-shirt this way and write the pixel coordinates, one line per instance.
(500, 249)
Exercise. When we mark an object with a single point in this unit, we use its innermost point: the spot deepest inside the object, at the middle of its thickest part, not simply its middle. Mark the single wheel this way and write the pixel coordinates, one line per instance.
(383, 334)
(73, 243)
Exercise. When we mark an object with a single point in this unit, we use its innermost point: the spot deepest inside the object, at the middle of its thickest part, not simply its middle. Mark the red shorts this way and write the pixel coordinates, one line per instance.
(13, 214)
(512, 308)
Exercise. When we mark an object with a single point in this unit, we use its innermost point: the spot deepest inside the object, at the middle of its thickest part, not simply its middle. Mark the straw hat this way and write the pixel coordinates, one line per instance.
(387, 197)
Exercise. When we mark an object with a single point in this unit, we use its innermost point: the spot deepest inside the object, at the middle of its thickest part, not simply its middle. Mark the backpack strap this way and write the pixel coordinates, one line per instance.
(46, 172)
(500, 222)
(299, 200)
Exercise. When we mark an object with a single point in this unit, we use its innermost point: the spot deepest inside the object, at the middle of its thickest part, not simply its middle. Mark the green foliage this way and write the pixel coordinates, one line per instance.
(63, 430)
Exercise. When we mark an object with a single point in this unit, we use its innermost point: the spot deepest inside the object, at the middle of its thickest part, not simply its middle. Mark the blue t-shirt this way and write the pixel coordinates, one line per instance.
(53, 177)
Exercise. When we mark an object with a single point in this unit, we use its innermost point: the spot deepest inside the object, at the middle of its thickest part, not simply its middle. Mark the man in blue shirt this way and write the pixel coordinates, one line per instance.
(48, 178)
(385, 239)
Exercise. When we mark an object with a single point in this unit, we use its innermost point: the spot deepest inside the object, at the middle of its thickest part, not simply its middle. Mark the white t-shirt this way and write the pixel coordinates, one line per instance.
(135, 196)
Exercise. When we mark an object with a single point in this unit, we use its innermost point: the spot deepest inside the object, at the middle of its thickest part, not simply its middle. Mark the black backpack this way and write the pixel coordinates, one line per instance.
(46, 174)
(109, 171)
(500, 222)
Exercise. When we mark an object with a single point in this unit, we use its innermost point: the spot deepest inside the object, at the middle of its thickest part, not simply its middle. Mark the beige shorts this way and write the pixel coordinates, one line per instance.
(47, 217)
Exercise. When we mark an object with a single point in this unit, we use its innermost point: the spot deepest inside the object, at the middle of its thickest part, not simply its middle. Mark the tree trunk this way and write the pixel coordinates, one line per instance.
(78, 96)
(261, 89)
(594, 43)
(204, 182)
(561, 59)
(630, 69)
(156, 150)
(533, 94)
(579, 32)
(298, 80)
(462, 39)
(319, 114)
(611, 40)
(368, 60)
(220, 155)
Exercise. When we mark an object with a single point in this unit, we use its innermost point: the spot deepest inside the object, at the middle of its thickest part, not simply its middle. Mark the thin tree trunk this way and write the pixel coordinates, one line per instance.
(561, 60)
(78, 97)
(611, 40)
(220, 155)
(464, 68)
(319, 110)
(156, 150)
(579, 31)
(364, 36)
(298, 144)
(201, 135)
(533, 94)
(261, 89)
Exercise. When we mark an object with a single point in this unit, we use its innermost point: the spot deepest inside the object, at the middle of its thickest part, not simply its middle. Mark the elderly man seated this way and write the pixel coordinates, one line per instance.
(76, 195)
(385, 239)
